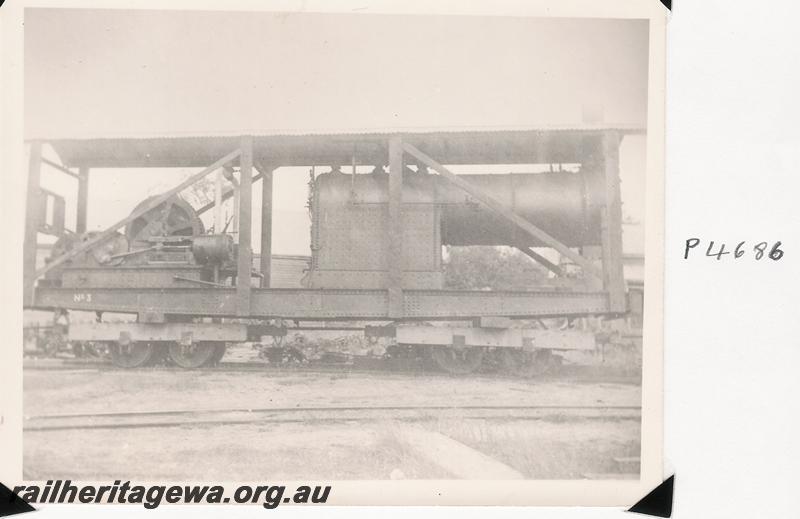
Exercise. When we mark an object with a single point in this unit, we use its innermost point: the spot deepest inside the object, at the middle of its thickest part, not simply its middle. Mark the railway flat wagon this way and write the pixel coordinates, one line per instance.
(383, 207)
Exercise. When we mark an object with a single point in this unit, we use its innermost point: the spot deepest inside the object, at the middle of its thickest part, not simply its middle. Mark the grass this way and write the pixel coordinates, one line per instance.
(550, 450)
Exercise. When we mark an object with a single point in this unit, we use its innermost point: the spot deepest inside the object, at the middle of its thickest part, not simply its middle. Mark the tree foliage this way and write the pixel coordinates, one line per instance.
(491, 268)
(201, 192)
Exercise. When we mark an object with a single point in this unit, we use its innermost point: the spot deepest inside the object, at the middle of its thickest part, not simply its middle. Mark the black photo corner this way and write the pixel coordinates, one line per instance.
(658, 502)
(12, 504)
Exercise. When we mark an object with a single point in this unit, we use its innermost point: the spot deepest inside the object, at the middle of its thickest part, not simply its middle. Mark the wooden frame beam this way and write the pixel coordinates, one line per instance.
(613, 276)
(217, 204)
(32, 223)
(61, 168)
(265, 261)
(504, 211)
(538, 258)
(333, 304)
(394, 228)
(83, 200)
(244, 264)
(155, 202)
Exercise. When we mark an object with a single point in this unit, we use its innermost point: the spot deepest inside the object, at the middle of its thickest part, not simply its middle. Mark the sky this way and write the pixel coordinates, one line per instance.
(143, 72)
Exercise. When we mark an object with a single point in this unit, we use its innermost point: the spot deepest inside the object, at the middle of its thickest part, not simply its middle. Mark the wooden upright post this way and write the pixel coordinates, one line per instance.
(218, 223)
(32, 222)
(394, 226)
(613, 277)
(266, 224)
(83, 200)
(228, 173)
(245, 261)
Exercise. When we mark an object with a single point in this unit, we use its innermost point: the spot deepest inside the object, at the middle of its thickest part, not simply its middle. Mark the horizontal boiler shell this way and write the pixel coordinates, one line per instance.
(565, 205)
(213, 248)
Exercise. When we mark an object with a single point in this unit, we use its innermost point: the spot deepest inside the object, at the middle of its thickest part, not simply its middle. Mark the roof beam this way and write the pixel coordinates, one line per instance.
(451, 146)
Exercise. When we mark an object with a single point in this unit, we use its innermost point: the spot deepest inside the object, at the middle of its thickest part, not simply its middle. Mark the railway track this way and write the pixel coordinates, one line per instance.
(566, 373)
(371, 366)
(206, 417)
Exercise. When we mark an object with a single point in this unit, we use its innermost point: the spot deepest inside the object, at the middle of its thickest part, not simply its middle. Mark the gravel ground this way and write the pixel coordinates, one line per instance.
(556, 447)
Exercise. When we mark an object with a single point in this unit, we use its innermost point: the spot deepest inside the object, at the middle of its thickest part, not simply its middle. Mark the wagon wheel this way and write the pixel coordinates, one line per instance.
(89, 349)
(457, 361)
(133, 354)
(524, 363)
(160, 354)
(30, 340)
(52, 343)
(196, 355)
(219, 352)
(79, 349)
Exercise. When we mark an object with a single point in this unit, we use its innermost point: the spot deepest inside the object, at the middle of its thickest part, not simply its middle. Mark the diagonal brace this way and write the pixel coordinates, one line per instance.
(538, 258)
(109, 232)
(503, 211)
(60, 168)
(226, 194)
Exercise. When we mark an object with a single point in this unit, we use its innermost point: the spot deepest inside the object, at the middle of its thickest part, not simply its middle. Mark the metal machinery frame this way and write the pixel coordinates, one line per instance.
(602, 291)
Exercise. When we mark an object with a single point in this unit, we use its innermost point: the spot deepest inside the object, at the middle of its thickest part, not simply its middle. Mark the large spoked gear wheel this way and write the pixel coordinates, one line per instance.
(106, 253)
(133, 354)
(175, 217)
(457, 361)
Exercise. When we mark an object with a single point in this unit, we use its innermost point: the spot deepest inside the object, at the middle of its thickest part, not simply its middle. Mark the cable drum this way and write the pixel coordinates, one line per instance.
(174, 217)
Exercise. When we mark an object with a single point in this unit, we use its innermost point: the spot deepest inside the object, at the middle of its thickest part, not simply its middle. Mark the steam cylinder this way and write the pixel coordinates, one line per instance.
(565, 205)
(213, 248)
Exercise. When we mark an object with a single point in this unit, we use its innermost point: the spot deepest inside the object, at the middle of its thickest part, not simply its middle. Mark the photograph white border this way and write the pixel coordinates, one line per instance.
(437, 492)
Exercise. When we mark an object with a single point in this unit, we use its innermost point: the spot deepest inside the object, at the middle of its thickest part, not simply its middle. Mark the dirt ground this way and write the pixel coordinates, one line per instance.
(556, 446)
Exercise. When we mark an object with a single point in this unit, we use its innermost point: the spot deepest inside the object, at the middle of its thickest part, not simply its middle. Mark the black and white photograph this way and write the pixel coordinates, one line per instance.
(414, 249)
